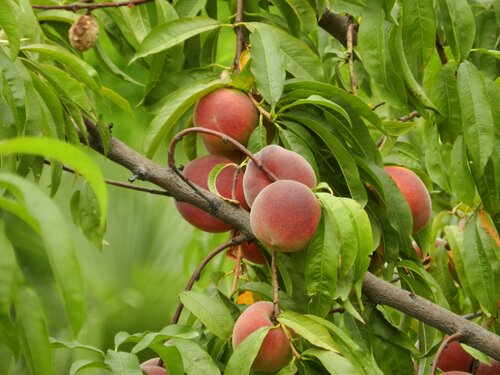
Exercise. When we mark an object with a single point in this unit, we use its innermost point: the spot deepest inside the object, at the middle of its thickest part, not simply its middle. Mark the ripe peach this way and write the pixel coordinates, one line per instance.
(285, 215)
(250, 251)
(228, 111)
(454, 358)
(416, 195)
(197, 171)
(283, 163)
(151, 367)
(484, 369)
(275, 351)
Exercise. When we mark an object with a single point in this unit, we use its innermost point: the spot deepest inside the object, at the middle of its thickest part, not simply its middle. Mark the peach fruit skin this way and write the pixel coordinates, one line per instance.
(283, 163)
(454, 358)
(416, 195)
(197, 171)
(151, 367)
(275, 351)
(285, 216)
(484, 369)
(228, 111)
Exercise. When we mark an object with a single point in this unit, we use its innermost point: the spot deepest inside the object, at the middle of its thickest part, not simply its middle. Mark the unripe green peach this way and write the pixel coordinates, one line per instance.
(275, 352)
(283, 163)
(416, 194)
(285, 216)
(197, 171)
(228, 111)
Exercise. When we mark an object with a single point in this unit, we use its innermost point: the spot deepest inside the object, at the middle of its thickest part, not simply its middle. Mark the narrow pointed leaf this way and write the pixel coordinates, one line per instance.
(122, 363)
(172, 33)
(267, 65)
(242, 359)
(9, 23)
(196, 360)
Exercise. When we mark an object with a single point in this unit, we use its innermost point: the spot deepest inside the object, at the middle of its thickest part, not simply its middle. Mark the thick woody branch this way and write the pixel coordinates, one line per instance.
(377, 290)
(384, 293)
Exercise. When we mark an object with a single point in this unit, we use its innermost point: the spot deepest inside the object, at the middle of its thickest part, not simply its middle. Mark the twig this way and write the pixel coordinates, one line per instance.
(407, 118)
(261, 110)
(239, 33)
(274, 272)
(197, 272)
(455, 337)
(290, 341)
(477, 314)
(237, 265)
(338, 310)
(380, 141)
(90, 6)
(377, 106)
(226, 139)
(350, 54)
(121, 184)
(440, 50)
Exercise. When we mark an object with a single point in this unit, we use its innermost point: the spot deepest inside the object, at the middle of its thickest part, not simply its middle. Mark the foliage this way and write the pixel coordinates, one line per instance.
(439, 59)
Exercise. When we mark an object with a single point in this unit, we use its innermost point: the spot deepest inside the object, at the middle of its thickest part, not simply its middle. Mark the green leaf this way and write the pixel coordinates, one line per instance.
(305, 14)
(372, 46)
(242, 359)
(418, 34)
(172, 33)
(189, 8)
(211, 312)
(359, 357)
(401, 65)
(10, 25)
(267, 65)
(8, 269)
(84, 364)
(266, 290)
(88, 214)
(459, 26)
(437, 157)
(196, 360)
(56, 344)
(173, 331)
(80, 69)
(477, 116)
(300, 60)
(455, 238)
(52, 227)
(68, 154)
(258, 139)
(322, 263)
(34, 333)
(106, 61)
(117, 99)
(309, 329)
(320, 102)
(491, 52)
(298, 145)
(57, 15)
(333, 362)
(122, 363)
(443, 92)
(173, 107)
(462, 182)
(343, 156)
(478, 268)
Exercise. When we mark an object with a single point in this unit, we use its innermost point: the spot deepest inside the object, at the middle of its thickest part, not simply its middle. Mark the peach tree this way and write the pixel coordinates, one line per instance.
(351, 150)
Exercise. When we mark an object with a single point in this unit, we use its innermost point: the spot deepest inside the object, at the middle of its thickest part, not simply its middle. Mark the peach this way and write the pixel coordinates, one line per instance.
(455, 373)
(197, 171)
(454, 358)
(283, 163)
(250, 251)
(275, 351)
(228, 111)
(151, 367)
(416, 195)
(484, 369)
(285, 216)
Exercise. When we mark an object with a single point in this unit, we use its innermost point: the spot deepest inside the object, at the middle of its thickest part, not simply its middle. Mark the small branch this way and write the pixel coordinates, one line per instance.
(407, 118)
(381, 292)
(197, 272)
(121, 184)
(274, 272)
(440, 50)
(477, 314)
(92, 6)
(455, 337)
(290, 341)
(377, 106)
(237, 266)
(226, 139)
(239, 33)
(338, 310)
(350, 53)
(261, 110)
(380, 141)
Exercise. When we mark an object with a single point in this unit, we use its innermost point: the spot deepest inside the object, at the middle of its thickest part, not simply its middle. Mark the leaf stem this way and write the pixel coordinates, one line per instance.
(350, 54)
(455, 337)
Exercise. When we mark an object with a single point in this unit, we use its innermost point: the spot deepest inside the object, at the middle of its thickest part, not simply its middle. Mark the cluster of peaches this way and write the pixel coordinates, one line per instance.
(284, 212)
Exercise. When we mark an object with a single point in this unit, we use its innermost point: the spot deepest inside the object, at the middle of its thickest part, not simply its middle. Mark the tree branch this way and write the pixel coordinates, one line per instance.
(337, 25)
(377, 290)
